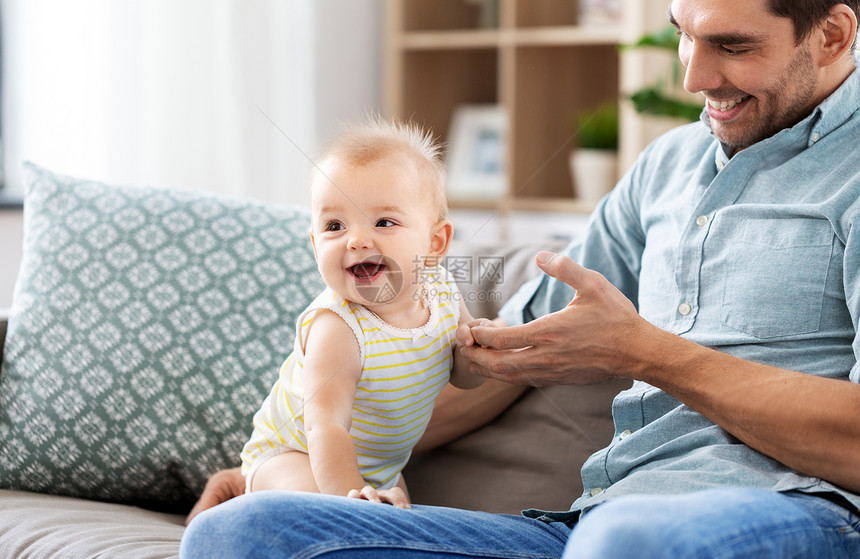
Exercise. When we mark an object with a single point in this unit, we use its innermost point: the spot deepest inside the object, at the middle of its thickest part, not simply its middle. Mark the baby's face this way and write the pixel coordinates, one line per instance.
(372, 227)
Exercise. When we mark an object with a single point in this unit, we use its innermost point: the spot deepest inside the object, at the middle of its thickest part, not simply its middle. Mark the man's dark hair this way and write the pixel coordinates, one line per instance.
(806, 14)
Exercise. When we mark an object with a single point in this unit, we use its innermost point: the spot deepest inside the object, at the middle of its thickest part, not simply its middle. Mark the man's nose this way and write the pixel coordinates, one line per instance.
(703, 71)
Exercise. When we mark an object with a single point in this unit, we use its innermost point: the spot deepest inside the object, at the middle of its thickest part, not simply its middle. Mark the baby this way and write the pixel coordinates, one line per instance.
(374, 350)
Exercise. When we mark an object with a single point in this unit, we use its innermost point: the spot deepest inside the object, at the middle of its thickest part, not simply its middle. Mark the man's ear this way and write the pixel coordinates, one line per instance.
(440, 241)
(838, 31)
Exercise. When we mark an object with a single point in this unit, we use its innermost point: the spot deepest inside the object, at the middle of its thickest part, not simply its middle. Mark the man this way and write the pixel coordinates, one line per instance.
(723, 276)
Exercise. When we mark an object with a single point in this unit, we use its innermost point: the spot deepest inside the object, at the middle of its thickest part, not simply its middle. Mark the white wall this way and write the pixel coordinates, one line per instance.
(349, 50)
(11, 236)
(222, 95)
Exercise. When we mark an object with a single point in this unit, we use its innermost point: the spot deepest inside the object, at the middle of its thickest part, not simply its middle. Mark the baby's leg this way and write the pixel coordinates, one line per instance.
(288, 470)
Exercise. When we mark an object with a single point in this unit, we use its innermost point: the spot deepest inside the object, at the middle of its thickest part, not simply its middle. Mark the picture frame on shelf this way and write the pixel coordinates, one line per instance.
(599, 12)
(476, 155)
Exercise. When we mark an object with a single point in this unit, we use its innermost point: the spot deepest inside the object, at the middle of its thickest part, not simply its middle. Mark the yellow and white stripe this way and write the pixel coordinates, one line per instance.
(402, 373)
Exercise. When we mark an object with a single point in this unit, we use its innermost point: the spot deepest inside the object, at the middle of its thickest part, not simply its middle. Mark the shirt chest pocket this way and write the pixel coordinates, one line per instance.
(775, 280)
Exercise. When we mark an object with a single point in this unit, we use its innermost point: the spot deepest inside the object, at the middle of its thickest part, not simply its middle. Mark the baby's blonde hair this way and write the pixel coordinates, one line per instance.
(377, 137)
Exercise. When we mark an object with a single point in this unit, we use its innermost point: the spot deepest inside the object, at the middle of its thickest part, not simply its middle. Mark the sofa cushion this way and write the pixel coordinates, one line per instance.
(37, 525)
(147, 326)
(528, 457)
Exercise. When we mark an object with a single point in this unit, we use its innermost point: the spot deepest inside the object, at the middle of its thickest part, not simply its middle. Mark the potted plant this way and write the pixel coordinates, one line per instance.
(594, 163)
(664, 98)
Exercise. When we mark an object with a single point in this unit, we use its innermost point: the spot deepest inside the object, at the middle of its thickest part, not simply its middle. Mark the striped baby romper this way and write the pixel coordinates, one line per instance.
(402, 373)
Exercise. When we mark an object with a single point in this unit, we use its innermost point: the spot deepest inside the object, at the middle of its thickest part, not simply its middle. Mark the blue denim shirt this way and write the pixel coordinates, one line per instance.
(757, 256)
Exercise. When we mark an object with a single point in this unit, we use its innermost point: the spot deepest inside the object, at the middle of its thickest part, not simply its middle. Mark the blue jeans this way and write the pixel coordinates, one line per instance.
(724, 523)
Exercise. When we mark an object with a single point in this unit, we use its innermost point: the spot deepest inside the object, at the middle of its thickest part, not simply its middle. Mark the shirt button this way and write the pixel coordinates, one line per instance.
(702, 220)
(626, 433)
(815, 136)
(596, 491)
(684, 309)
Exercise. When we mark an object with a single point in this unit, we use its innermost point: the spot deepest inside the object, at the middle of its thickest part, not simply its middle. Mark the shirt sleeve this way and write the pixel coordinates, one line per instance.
(851, 274)
(612, 245)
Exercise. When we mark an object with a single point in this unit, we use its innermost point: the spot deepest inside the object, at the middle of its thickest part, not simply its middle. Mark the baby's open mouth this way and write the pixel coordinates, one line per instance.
(366, 271)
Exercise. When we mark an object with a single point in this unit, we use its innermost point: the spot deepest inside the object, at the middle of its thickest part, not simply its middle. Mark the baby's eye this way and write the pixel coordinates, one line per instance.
(385, 223)
(333, 226)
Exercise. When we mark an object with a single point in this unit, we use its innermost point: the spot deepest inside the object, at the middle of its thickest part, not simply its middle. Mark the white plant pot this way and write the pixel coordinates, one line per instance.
(594, 173)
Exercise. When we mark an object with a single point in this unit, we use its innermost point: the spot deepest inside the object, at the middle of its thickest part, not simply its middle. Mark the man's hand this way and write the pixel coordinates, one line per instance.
(221, 486)
(590, 340)
(464, 332)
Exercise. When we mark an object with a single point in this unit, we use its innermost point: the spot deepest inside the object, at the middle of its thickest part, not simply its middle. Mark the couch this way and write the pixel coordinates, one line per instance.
(146, 327)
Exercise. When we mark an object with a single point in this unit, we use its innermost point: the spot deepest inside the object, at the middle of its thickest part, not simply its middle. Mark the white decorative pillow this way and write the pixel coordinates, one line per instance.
(147, 326)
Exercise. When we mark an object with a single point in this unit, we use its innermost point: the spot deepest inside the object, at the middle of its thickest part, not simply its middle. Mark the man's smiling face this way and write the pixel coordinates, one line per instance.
(756, 78)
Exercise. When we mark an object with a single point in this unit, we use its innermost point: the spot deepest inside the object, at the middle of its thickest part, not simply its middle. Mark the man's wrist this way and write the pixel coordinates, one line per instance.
(654, 355)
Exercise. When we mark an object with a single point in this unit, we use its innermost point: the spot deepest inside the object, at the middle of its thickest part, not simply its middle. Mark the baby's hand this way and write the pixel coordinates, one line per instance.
(394, 496)
(464, 332)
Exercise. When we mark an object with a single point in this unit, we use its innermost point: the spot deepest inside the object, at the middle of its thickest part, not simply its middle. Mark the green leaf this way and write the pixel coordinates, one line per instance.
(653, 101)
(666, 38)
(598, 128)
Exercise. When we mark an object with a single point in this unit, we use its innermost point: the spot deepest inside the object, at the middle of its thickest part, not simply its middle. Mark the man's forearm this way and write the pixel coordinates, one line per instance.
(806, 422)
(458, 411)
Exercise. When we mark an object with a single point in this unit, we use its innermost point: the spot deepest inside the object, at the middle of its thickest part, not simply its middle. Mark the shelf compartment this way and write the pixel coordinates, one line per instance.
(542, 13)
(435, 83)
(550, 13)
(434, 15)
(552, 85)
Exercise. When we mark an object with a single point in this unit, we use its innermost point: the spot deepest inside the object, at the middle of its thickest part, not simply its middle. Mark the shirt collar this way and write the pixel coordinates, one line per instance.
(836, 109)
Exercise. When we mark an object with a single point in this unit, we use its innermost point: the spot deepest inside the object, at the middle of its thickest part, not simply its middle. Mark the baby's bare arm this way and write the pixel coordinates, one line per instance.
(460, 375)
(332, 368)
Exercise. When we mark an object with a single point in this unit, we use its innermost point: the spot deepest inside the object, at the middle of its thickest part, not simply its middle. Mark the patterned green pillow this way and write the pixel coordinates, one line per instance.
(147, 326)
